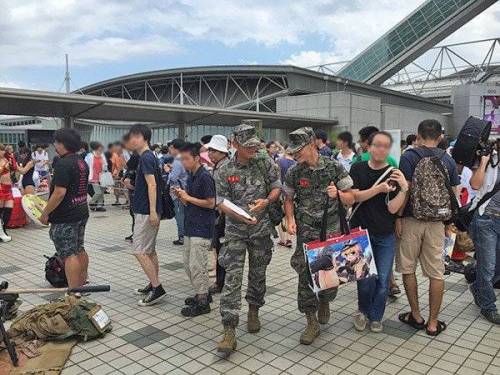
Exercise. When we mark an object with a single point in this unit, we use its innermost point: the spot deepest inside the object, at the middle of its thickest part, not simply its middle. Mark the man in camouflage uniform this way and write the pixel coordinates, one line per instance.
(306, 187)
(243, 180)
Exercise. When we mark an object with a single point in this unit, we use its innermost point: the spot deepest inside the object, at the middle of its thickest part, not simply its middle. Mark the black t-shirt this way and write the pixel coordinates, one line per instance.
(373, 214)
(72, 173)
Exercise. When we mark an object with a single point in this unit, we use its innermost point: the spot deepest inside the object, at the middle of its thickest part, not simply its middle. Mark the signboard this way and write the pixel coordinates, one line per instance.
(492, 113)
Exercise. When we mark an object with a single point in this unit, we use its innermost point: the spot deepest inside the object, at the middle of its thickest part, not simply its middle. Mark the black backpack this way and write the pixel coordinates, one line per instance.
(167, 204)
(54, 271)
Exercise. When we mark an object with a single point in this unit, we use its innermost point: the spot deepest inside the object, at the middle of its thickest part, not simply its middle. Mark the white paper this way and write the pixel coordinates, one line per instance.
(236, 209)
(101, 318)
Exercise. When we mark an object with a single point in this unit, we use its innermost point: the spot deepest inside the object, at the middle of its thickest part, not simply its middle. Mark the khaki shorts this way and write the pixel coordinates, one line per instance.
(144, 235)
(421, 240)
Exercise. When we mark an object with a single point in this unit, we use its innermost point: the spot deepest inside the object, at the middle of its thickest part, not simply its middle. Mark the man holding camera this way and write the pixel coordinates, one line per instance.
(485, 232)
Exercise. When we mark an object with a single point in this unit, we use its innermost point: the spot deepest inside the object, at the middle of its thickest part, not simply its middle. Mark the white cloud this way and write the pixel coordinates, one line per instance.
(311, 58)
(39, 32)
(5, 82)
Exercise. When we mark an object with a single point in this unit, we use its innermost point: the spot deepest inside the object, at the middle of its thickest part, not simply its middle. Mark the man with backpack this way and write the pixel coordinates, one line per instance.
(148, 209)
(433, 178)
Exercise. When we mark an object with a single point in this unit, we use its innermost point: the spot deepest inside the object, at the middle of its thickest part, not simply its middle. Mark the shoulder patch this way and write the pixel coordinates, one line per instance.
(233, 179)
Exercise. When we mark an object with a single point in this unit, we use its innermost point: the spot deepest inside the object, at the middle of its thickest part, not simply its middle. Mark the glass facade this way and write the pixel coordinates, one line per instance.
(12, 138)
(407, 33)
(108, 134)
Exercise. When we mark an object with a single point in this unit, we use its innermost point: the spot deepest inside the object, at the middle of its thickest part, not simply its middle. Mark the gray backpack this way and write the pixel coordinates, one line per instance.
(431, 195)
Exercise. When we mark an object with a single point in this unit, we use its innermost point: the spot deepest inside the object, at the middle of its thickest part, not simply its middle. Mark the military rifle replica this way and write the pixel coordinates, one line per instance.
(9, 303)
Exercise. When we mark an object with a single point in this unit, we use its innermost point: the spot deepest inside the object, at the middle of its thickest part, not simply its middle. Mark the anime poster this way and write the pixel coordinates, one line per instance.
(340, 260)
(492, 113)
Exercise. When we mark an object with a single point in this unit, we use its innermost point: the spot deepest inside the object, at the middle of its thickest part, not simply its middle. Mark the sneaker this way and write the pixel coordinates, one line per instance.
(196, 309)
(376, 327)
(144, 291)
(180, 241)
(360, 322)
(154, 296)
(191, 301)
(491, 316)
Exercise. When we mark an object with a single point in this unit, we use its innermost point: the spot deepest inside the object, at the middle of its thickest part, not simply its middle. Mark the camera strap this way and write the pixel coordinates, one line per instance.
(379, 180)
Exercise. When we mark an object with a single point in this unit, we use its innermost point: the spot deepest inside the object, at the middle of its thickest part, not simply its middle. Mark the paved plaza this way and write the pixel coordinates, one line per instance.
(158, 340)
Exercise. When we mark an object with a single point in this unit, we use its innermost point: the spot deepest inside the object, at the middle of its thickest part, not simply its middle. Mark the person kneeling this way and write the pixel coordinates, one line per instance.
(199, 220)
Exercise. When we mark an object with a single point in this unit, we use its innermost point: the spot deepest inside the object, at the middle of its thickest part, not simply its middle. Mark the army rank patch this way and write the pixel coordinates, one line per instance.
(233, 179)
(304, 182)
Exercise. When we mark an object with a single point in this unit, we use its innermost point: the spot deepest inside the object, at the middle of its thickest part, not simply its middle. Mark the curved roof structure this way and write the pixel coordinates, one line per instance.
(248, 87)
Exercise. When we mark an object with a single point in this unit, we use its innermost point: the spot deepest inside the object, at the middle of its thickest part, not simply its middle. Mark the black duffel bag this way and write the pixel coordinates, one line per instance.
(465, 214)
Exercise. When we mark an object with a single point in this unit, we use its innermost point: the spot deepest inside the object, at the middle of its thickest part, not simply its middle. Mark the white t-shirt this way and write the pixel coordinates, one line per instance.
(345, 161)
(40, 158)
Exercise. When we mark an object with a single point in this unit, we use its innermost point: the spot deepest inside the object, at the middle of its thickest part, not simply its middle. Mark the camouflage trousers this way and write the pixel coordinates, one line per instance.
(232, 258)
(307, 301)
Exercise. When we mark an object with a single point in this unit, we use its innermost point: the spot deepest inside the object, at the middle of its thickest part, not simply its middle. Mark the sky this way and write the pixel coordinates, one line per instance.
(110, 38)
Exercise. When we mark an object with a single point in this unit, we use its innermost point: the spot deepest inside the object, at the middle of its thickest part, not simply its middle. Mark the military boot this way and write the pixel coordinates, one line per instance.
(324, 312)
(311, 331)
(228, 343)
(253, 322)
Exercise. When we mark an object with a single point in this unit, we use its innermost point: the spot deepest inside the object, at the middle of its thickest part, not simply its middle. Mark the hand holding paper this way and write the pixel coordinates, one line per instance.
(239, 212)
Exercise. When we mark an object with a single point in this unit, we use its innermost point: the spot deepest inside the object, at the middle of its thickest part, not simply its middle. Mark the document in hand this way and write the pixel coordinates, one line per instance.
(236, 209)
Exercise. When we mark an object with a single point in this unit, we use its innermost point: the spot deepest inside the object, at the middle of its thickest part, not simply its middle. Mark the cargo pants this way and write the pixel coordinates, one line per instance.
(232, 258)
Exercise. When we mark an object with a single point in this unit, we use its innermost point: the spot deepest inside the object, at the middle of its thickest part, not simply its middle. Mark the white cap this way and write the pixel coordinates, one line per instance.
(218, 143)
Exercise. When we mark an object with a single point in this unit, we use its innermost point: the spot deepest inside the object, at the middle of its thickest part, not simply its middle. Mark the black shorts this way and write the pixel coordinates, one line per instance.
(68, 238)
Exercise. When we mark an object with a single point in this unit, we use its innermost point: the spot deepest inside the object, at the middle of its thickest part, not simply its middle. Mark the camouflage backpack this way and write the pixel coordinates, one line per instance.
(431, 196)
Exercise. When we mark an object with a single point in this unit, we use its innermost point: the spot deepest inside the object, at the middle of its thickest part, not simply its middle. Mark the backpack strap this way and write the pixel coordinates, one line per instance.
(344, 225)
(488, 196)
(267, 181)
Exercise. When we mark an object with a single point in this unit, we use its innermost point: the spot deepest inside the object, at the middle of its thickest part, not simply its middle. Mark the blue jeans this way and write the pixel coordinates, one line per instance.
(485, 232)
(179, 217)
(373, 291)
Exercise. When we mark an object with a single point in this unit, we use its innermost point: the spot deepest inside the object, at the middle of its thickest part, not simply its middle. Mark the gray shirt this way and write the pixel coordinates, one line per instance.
(493, 206)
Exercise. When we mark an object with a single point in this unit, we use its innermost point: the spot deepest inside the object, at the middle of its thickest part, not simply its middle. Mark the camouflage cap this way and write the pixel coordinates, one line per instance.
(246, 135)
(299, 139)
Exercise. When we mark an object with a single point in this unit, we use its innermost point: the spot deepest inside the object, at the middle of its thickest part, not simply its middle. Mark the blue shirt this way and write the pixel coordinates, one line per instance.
(177, 176)
(410, 159)
(325, 151)
(199, 221)
(148, 165)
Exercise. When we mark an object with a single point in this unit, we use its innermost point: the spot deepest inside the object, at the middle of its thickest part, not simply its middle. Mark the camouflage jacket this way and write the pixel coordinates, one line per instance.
(307, 186)
(243, 184)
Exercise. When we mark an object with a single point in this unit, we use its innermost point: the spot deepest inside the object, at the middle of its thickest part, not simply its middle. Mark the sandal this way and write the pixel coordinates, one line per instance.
(394, 291)
(441, 326)
(408, 318)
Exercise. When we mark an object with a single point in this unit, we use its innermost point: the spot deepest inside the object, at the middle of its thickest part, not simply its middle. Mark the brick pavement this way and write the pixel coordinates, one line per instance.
(158, 340)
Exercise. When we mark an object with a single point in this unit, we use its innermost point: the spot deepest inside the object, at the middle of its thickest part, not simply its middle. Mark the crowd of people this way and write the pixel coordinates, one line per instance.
(287, 191)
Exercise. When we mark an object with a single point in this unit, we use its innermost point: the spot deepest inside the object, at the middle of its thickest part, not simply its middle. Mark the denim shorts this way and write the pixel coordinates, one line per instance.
(68, 238)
